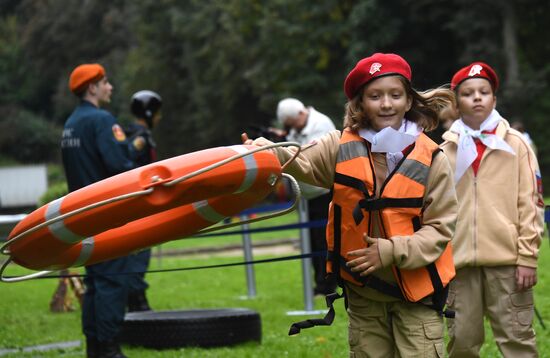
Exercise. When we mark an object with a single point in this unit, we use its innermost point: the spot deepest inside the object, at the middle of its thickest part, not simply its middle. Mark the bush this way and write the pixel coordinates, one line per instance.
(55, 191)
(28, 137)
(56, 174)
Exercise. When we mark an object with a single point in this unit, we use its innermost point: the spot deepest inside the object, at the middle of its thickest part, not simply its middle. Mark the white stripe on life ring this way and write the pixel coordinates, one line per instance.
(207, 212)
(251, 168)
(85, 252)
(58, 229)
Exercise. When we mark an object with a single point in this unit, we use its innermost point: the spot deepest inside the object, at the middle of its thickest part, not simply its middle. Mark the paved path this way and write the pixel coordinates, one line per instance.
(41, 347)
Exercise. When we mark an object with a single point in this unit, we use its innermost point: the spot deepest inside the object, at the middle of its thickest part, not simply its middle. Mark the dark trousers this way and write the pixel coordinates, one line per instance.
(104, 303)
(138, 262)
(318, 210)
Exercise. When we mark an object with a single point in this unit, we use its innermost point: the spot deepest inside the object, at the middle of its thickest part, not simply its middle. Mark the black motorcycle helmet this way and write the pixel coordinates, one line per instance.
(145, 104)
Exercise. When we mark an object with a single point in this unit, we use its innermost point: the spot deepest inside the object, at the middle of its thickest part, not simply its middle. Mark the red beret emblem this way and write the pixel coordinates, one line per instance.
(369, 68)
(475, 70)
(375, 67)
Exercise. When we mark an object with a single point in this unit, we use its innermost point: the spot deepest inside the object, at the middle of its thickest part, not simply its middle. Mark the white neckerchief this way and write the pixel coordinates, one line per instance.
(392, 142)
(467, 150)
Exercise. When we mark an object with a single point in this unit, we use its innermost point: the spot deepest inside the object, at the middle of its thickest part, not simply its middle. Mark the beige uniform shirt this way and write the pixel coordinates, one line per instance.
(501, 212)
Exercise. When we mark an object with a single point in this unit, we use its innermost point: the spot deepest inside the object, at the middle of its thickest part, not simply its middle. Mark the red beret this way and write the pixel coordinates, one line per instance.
(377, 65)
(84, 75)
(475, 70)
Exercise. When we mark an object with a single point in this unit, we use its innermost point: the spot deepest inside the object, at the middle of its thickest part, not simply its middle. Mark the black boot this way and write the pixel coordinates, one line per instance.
(92, 347)
(137, 301)
(110, 349)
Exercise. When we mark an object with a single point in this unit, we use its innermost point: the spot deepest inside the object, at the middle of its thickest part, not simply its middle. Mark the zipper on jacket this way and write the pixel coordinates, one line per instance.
(475, 220)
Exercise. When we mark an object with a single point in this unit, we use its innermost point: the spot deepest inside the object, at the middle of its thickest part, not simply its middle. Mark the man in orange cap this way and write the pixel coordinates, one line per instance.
(92, 149)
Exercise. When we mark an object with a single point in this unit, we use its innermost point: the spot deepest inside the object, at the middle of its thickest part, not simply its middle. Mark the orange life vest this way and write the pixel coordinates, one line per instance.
(399, 205)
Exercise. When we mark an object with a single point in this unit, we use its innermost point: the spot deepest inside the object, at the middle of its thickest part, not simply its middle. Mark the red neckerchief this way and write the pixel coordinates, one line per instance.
(480, 150)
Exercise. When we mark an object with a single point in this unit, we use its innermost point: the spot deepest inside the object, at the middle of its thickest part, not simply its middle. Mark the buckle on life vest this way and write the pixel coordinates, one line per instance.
(368, 204)
(448, 313)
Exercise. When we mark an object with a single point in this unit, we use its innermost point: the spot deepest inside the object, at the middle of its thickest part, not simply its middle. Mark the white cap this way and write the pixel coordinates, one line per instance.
(289, 107)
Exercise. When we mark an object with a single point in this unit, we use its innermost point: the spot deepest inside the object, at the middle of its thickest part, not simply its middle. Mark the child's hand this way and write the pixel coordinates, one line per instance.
(245, 139)
(260, 142)
(526, 277)
(368, 259)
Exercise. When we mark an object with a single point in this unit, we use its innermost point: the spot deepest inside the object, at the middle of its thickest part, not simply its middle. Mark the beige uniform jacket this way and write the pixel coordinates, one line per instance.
(316, 165)
(499, 221)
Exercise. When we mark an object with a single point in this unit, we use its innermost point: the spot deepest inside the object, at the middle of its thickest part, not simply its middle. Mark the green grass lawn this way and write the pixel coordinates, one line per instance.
(226, 240)
(25, 319)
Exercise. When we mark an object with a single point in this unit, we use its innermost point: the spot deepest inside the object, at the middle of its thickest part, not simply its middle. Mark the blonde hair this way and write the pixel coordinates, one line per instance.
(425, 109)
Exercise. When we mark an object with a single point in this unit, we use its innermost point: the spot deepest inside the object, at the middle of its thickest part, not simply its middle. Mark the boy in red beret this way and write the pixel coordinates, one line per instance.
(92, 150)
(500, 222)
(392, 214)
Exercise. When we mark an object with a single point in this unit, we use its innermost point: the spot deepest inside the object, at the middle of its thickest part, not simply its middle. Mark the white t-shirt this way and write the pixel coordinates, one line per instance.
(317, 126)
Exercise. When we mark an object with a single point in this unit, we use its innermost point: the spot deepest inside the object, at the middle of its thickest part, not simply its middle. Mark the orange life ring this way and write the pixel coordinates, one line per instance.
(168, 212)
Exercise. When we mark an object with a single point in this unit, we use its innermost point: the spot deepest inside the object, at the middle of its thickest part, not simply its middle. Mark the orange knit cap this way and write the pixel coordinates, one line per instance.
(84, 75)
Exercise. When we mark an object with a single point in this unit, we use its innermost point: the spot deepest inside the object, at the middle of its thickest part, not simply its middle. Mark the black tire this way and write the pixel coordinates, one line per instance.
(191, 328)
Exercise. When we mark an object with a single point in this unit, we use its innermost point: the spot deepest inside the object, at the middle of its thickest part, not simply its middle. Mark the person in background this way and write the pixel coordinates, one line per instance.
(91, 148)
(305, 125)
(500, 222)
(393, 210)
(146, 107)
(518, 125)
(447, 117)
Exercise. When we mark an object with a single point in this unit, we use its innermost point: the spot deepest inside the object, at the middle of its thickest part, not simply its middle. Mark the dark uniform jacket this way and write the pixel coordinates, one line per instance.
(91, 146)
(142, 147)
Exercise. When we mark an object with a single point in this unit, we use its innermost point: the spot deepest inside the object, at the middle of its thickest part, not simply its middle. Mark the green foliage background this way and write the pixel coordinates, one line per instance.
(221, 66)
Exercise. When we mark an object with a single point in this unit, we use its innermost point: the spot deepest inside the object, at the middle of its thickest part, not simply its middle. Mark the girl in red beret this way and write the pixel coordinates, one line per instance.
(392, 214)
(500, 222)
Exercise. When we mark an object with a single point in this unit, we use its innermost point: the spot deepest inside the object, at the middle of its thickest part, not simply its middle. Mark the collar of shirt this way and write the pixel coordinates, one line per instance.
(308, 128)
(392, 142)
(467, 150)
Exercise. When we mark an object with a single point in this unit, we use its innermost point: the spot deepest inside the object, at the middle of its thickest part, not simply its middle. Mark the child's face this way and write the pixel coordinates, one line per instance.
(476, 100)
(385, 101)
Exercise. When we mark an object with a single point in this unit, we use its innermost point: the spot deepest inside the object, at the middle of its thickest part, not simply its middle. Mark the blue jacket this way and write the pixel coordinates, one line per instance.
(91, 146)
(141, 152)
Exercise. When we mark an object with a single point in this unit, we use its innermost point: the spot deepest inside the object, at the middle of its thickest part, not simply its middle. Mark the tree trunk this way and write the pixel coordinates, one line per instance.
(510, 46)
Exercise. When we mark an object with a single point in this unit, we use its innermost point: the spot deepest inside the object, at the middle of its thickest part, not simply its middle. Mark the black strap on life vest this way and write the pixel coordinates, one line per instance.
(439, 297)
(376, 283)
(325, 321)
(371, 204)
(352, 182)
(329, 317)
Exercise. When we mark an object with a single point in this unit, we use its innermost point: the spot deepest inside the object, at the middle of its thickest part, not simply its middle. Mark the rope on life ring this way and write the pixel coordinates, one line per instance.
(4, 248)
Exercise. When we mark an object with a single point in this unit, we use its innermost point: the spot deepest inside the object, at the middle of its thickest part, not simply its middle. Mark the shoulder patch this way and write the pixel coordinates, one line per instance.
(138, 143)
(539, 181)
(118, 133)
(540, 201)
